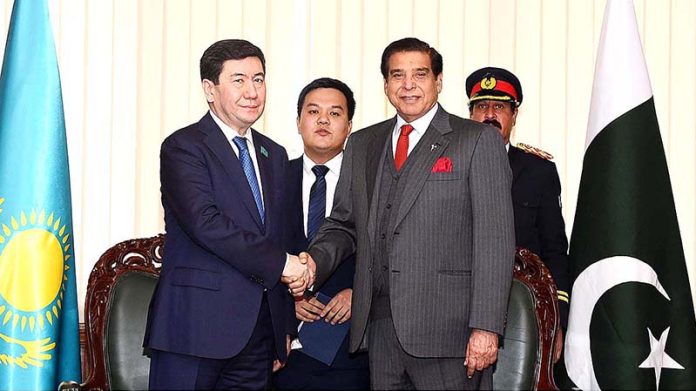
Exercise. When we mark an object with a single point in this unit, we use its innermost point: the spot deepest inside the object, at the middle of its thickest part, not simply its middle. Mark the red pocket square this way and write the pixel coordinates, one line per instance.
(443, 164)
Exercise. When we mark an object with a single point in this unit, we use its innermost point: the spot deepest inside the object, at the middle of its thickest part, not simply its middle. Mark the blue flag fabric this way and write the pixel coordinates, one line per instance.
(39, 341)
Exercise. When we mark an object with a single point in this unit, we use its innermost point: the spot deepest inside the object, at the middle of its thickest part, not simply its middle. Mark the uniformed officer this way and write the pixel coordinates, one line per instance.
(495, 95)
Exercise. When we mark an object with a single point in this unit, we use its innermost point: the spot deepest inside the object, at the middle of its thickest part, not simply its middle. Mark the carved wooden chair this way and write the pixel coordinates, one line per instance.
(525, 358)
(123, 280)
(118, 296)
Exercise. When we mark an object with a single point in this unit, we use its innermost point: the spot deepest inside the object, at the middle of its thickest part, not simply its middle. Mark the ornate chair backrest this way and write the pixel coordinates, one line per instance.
(118, 296)
(525, 359)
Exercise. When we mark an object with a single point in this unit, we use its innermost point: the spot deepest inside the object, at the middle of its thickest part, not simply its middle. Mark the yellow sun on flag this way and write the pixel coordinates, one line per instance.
(34, 251)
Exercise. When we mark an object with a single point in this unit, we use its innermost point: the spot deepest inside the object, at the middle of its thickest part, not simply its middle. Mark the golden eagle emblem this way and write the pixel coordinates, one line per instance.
(35, 352)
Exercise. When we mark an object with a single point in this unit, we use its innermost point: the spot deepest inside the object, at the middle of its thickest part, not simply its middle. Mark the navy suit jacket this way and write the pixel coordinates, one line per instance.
(539, 226)
(219, 257)
(297, 242)
(341, 279)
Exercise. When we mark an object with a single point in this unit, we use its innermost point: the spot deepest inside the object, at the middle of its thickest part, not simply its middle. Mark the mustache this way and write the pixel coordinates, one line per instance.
(493, 122)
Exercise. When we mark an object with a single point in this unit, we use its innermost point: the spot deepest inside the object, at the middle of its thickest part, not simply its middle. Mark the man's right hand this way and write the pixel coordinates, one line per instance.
(308, 310)
(298, 273)
(306, 258)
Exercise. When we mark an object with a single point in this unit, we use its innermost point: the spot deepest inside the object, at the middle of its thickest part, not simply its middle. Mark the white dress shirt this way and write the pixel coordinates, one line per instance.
(419, 127)
(232, 133)
(308, 179)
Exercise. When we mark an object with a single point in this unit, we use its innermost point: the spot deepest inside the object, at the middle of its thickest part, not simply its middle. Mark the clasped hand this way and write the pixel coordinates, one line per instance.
(299, 273)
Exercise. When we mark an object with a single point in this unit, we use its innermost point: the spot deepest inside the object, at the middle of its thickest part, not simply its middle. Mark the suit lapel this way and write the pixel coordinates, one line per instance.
(516, 164)
(430, 147)
(296, 208)
(221, 148)
(266, 173)
(376, 153)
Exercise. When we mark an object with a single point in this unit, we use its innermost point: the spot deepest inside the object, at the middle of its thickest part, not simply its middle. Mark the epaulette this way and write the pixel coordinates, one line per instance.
(534, 151)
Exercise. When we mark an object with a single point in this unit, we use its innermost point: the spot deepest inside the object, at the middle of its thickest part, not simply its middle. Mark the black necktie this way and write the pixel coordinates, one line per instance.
(317, 201)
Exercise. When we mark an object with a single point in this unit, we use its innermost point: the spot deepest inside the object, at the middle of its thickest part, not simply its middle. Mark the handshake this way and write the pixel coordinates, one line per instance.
(299, 273)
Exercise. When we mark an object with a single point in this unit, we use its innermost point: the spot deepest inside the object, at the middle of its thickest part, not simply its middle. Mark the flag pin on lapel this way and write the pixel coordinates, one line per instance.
(264, 152)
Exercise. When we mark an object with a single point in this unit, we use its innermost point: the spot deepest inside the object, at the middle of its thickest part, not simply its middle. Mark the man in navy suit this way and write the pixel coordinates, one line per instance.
(219, 318)
(495, 95)
(325, 111)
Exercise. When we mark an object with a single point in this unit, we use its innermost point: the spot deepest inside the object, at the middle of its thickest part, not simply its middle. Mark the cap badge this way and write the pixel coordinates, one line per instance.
(488, 83)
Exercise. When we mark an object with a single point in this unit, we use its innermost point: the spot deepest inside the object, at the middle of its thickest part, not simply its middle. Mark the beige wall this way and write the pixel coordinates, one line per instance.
(130, 77)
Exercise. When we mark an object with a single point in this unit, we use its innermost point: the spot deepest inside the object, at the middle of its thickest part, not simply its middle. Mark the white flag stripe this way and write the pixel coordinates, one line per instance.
(621, 76)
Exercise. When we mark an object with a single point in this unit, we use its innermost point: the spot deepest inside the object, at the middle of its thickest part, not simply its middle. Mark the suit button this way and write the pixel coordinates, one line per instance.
(388, 206)
(369, 269)
(382, 236)
(384, 268)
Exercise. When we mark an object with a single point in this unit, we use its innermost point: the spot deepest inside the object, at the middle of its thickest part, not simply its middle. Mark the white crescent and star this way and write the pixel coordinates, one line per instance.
(593, 282)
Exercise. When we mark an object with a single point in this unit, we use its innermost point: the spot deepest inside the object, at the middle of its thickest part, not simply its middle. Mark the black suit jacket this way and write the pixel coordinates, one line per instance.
(302, 371)
(539, 226)
(297, 241)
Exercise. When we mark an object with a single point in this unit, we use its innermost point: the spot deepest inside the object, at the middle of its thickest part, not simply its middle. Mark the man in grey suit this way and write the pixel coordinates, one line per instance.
(424, 200)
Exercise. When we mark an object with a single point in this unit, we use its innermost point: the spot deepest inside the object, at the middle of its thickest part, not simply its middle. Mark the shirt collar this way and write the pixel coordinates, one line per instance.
(421, 124)
(229, 132)
(334, 164)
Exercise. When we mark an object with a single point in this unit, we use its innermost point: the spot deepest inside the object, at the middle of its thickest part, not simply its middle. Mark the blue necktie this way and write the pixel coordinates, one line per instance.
(317, 202)
(250, 173)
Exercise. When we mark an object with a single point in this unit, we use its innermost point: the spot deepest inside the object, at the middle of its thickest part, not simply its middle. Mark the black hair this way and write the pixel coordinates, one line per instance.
(327, 82)
(411, 45)
(215, 56)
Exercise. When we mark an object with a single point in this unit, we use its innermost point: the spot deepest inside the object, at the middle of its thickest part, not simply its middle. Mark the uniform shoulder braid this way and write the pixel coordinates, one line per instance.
(534, 151)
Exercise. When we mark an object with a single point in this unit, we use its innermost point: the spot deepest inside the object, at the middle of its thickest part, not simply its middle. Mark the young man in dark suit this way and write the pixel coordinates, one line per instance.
(495, 95)
(325, 109)
(220, 316)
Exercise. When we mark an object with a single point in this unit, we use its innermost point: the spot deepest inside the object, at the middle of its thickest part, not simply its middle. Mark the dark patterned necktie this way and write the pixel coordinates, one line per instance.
(317, 201)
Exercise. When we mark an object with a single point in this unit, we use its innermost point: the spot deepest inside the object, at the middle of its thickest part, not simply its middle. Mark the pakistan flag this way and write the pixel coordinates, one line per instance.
(631, 320)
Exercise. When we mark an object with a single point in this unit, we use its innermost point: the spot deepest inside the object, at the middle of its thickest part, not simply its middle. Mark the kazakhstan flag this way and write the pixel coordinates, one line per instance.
(39, 343)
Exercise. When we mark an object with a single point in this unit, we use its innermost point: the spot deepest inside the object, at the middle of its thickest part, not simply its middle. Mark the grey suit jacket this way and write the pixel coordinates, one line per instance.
(454, 240)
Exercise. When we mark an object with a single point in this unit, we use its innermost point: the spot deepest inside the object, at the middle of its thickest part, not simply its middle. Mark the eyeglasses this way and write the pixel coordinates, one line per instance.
(484, 106)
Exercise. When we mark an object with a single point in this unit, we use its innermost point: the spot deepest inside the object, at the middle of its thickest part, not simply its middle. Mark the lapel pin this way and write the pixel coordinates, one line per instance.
(434, 147)
(264, 152)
